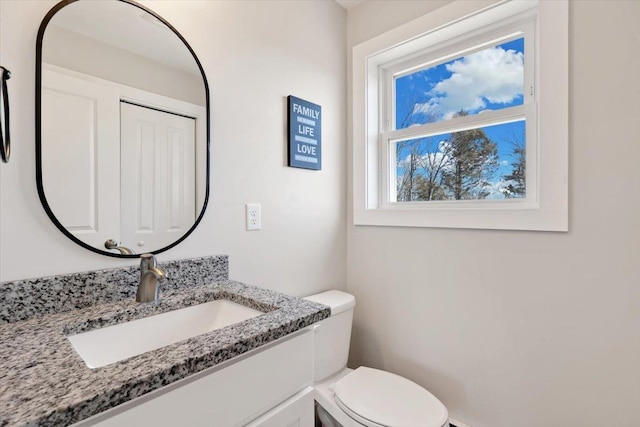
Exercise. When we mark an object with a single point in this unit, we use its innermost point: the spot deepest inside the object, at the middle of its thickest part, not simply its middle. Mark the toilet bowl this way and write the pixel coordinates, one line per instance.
(364, 396)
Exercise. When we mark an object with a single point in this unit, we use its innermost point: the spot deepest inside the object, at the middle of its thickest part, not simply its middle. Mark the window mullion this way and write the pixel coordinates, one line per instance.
(457, 124)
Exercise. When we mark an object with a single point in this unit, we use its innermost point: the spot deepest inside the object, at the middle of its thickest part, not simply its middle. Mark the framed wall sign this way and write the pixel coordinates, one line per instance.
(305, 134)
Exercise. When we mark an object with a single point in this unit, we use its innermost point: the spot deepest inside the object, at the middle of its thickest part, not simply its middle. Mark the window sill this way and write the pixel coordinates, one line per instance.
(475, 217)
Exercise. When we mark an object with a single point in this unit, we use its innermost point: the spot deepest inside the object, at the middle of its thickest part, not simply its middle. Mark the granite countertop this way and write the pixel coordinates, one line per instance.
(44, 382)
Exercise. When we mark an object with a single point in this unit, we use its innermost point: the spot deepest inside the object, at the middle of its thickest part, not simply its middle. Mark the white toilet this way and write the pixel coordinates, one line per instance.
(365, 396)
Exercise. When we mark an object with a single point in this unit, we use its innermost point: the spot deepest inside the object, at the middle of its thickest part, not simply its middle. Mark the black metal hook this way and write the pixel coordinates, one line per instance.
(5, 135)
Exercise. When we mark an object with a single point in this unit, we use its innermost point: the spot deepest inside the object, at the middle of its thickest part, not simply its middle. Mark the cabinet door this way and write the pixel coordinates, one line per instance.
(225, 396)
(295, 412)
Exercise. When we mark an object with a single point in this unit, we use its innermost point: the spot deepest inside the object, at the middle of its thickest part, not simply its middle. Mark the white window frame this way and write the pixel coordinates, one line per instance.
(454, 49)
(458, 26)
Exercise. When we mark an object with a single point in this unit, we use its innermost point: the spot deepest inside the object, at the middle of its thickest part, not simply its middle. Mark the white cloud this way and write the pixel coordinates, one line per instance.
(439, 159)
(429, 108)
(498, 189)
(492, 75)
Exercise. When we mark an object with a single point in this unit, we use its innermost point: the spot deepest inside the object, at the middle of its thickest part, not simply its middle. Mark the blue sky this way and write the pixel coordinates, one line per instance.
(490, 79)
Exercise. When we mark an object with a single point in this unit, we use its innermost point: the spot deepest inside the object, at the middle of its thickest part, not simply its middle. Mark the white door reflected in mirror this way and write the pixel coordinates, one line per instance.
(157, 176)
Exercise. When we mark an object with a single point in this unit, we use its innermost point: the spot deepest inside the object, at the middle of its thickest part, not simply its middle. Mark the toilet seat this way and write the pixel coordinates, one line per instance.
(377, 398)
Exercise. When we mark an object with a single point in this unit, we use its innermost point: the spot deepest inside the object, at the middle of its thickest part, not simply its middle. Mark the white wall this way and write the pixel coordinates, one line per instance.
(507, 328)
(525, 329)
(77, 52)
(254, 55)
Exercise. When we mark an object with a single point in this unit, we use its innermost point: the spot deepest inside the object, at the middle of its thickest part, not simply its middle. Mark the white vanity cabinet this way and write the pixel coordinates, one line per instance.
(297, 411)
(267, 387)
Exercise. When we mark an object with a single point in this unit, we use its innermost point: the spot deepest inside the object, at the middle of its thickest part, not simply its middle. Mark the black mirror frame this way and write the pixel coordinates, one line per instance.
(41, 194)
(5, 132)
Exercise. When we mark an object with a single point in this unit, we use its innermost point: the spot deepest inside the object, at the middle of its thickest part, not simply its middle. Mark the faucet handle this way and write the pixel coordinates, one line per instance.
(150, 275)
(148, 260)
(113, 244)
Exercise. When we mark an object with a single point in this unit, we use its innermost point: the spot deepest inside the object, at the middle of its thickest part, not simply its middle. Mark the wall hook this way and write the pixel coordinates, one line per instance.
(5, 134)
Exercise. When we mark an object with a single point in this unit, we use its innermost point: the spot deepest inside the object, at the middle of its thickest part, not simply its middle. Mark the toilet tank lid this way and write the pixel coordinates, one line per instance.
(337, 300)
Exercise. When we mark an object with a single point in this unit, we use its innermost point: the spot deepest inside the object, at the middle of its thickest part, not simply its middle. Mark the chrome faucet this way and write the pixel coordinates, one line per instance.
(113, 244)
(150, 275)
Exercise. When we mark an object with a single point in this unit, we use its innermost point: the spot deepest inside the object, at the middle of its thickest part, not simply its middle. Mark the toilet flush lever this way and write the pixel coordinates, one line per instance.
(316, 327)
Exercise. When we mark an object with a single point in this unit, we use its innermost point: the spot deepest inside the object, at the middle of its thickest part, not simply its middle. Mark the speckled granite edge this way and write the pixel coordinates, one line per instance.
(125, 311)
(44, 382)
(25, 299)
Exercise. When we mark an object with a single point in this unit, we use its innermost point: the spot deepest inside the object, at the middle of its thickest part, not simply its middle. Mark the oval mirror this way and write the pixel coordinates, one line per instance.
(122, 127)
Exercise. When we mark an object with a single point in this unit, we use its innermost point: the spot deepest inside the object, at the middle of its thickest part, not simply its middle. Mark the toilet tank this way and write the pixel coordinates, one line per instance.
(332, 335)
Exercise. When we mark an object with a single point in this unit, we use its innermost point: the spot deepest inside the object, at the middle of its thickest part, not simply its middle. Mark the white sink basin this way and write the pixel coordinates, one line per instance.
(102, 347)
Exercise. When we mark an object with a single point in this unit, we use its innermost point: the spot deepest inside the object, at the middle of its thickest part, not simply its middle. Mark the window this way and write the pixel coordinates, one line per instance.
(450, 124)
(456, 128)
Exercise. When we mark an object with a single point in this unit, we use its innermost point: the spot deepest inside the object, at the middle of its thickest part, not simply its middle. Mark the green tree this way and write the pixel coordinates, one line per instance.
(517, 177)
(422, 170)
(406, 188)
(473, 161)
(406, 184)
(412, 186)
(434, 163)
